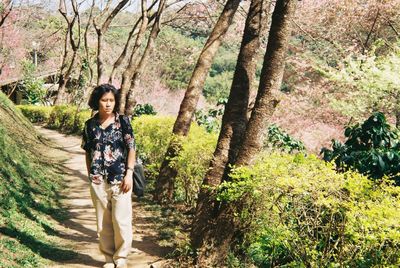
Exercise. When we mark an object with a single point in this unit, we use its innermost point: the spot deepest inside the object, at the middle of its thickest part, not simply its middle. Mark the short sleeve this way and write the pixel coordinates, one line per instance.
(85, 145)
(129, 137)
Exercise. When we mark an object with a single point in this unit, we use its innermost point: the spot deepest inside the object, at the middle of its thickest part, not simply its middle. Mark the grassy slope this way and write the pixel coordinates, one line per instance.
(28, 195)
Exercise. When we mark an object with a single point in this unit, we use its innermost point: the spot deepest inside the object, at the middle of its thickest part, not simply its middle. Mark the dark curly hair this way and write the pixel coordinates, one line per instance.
(99, 91)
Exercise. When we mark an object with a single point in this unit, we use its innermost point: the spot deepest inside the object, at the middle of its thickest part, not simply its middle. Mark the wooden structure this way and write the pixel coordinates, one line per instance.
(10, 86)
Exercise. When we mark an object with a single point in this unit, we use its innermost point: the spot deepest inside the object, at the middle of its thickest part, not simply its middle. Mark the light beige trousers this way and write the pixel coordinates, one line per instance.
(114, 220)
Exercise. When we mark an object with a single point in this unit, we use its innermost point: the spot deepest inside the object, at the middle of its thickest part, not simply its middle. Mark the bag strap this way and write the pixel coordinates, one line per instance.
(123, 128)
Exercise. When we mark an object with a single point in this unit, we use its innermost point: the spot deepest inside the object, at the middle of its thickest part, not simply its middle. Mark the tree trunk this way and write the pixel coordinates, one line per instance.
(166, 179)
(130, 69)
(226, 228)
(270, 81)
(85, 37)
(100, 67)
(61, 81)
(397, 116)
(130, 101)
(234, 120)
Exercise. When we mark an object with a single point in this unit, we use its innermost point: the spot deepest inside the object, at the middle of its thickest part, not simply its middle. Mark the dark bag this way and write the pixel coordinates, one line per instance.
(139, 180)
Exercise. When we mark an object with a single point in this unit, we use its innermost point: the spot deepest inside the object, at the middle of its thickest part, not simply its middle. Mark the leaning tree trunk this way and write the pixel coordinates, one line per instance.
(65, 76)
(270, 81)
(130, 69)
(226, 228)
(234, 120)
(166, 179)
(130, 100)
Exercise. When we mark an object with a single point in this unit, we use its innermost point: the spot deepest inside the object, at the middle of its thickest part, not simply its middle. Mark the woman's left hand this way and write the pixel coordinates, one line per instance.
(126, 184)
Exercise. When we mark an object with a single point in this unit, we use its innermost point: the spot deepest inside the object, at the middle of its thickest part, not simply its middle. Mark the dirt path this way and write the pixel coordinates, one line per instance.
(80, 229)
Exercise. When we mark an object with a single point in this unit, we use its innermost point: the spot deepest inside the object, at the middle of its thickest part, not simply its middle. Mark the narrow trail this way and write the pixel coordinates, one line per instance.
(79, 230)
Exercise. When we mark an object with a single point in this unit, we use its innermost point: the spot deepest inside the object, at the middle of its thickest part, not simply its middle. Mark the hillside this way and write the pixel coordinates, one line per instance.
(29, 201)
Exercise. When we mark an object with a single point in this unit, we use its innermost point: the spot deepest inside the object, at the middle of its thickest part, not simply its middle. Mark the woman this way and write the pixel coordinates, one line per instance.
(110, 157)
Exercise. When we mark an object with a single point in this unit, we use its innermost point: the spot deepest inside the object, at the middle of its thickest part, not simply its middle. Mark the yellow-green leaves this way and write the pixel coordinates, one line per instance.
(298, 211)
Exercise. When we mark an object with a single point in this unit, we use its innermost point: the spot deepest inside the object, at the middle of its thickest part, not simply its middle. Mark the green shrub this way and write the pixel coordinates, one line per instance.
(372, 148)
(211, 118)
(32, 87)
(193, 162)
(36, 114)
(279, 139)
(80, 119)
(141, 109)
(64, 118)
(153, 135)
(298, 211)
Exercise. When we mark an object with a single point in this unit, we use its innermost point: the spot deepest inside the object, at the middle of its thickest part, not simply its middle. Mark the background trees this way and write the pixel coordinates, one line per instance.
(5, 10)
(72, 41)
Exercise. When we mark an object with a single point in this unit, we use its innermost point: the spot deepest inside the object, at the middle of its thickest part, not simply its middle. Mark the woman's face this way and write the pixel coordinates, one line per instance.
(107, 103)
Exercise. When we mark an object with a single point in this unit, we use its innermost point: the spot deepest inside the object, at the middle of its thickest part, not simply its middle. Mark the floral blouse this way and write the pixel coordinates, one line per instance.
(108, 148)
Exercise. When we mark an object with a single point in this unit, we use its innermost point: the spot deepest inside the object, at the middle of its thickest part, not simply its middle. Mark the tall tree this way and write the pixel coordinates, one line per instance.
(224, 228)
(130, 101)
(234, 120)
(101, 30)
(270, 81)
(130, 69)
(85, 38)
(66, 69)
(166, 179)
(124, 52)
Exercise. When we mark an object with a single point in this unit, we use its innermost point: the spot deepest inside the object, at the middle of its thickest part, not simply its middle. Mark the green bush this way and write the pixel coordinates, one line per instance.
(279, 139)
(141, 109)
(153, 134)
(211, 118)
(64, 118)
(36, 114)
(298, 211)
(80, 119)
(193, 162)
(372, 148)
(32, 87)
